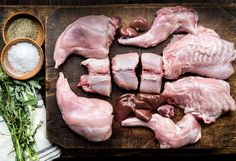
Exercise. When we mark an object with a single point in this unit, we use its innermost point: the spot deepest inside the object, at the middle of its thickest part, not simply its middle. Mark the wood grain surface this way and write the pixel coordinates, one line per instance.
(218, 135)
(106, 2)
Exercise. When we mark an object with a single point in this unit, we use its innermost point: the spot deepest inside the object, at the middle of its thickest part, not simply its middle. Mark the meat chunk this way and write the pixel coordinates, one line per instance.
(99, 79)
(89, 36)
(205, 98)
(169, 134)
(166, 111)
(140, 106)
(167, 21)
(152, 73)
(204, 54)
(97, 66)
(88, 117)
(123, 69)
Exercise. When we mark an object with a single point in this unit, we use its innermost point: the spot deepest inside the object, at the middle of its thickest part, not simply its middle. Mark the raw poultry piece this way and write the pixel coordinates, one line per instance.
(99, 79)
(169, 134)
(167, 21)
(152, 73)
(141, 106)
(88, 117)
(205, 54)
(205, 98)
(89, 36)
(166, 111)
(123, 70)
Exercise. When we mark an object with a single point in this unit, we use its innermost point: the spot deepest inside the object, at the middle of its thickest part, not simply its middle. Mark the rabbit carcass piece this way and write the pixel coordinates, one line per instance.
(88, 117)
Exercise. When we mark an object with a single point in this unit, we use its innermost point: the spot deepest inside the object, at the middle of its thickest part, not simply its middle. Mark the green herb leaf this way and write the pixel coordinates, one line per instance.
(31, 102)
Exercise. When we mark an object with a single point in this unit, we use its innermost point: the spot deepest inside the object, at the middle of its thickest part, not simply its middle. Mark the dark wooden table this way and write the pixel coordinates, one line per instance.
(44, 10)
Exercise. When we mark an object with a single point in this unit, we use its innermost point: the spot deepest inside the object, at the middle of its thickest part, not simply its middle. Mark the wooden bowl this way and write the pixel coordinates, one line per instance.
(10, 70)
(40, 38)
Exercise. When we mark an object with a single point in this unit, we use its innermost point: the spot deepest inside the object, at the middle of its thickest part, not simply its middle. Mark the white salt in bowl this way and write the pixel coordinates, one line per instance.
(9, 69)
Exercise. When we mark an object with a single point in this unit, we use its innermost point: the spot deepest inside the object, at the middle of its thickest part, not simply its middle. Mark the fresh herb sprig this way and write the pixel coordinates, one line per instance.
(18, 100)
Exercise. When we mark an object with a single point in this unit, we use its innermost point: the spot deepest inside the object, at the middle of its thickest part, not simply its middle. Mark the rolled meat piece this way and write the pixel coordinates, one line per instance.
(99, 79)
(123, 70)
(152, 73)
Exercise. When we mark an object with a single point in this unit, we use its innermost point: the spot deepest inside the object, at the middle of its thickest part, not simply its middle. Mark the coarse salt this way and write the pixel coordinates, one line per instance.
(23, 57)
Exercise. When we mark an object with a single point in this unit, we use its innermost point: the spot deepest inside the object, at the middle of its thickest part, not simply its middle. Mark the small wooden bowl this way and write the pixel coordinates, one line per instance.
(10, 70)
(40, 38)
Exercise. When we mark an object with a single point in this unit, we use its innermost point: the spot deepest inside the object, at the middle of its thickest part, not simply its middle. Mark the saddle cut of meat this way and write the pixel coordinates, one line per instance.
(169, 134)
(205, 54)
(89, 36)
(99, 79)
(88, 117)
(168, 20)
(152, 73)
(123, 69)
(205, 98)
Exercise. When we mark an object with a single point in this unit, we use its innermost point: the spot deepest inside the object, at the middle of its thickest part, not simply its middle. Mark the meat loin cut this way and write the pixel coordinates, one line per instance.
(123, 70)
(99, 79)
(152, 73)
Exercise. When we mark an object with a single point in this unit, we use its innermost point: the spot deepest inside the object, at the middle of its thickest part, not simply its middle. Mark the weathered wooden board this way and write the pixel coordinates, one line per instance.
(220, 134)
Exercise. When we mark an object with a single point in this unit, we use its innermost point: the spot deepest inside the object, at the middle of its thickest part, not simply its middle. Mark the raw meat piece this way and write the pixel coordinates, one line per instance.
(205, 98)
(101, 66)
(140, 105)
(123, 69)
(99, 79)
(151, 73)
(169, 134)
(168, 20)
(166, 111)
(99, 83)
(88, 117)
(89, 36)
(204, 54)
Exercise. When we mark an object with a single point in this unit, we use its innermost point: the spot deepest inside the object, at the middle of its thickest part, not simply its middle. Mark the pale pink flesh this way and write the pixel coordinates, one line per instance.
(152, 73)
(100, 83)
(204, 54)
(123, 70)
(88, 117)
(99, 79)
(205, 98)
(101, 66)
(168, 20)
(89, 36)
(169, 134)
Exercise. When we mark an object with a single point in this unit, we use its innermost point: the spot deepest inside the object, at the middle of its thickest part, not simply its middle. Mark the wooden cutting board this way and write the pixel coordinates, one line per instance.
(220, 134)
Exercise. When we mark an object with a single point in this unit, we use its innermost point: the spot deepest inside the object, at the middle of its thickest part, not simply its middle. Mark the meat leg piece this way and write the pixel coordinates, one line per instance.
(168, 20)
(204, 54)
(205, 98)
(123, 69)
(169, 134)
(89, 36)
(152, 73)
(99, 79)
(88, 117)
